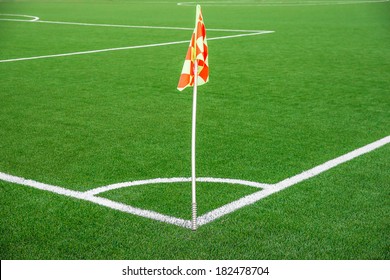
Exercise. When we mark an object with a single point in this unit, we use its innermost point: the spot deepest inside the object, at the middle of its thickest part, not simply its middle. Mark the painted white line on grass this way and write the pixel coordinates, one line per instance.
(144, 26)
(210, 216)
(126, 48)
(45, 187)
(234, 206)
(114, 25)
(98, 200)
(36, 20)
(234, 182)
(241, 35)
(93, 51)
(252, 198)
(30, 18)
(175, 180)
(277, 3)
(139, 212)
(136, 183)
(330, 164)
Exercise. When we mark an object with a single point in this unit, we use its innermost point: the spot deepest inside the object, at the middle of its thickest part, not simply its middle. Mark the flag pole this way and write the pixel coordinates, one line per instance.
(193, 142)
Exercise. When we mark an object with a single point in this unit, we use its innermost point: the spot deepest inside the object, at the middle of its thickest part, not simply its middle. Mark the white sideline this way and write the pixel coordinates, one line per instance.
(278, 4)
(234, 182)
(144, 26)
(92, 51)
(41, 186)
(37, 20)
(252, 198)
(127, 48)
(330, 164)
(210, 216)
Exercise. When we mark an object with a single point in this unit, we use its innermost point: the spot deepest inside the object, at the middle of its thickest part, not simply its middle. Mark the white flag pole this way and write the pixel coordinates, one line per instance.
(193, 176)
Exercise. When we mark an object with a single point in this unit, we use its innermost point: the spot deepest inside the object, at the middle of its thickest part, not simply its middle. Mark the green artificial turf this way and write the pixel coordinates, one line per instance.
(276, 105)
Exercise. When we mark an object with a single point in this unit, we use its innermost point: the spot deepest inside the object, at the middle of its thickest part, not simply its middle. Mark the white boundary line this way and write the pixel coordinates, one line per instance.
(98, 200)
(127, 48)
(267, 190)
(92, 51)
(36, 20)
(32, 18)
(278, 3)
(143, 26)
(252, 198)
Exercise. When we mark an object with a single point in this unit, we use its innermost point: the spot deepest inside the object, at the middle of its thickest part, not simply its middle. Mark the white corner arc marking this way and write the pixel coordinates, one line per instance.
(107, 188)
(266, 191)
(30, 18)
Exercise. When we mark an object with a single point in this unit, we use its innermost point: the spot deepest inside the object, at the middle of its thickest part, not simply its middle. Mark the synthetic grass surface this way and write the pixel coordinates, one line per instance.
(276, 105)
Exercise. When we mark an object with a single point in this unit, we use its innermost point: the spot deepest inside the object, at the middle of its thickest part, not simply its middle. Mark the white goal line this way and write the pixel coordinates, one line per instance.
(128, 47)
(36, 20)
(278, 3)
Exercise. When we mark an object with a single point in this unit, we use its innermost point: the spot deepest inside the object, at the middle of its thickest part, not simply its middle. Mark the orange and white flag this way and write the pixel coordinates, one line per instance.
(197, 51)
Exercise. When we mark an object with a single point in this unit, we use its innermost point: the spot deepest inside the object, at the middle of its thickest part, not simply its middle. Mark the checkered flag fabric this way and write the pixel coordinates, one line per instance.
(197, 50)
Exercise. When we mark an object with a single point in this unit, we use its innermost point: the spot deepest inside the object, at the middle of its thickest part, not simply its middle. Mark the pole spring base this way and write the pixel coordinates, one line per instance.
(194, 208)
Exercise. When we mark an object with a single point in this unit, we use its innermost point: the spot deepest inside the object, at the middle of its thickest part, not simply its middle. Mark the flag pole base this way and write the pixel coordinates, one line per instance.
(194, 225)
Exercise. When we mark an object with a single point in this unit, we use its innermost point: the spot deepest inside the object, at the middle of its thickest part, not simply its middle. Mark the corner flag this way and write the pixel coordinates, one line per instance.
(197, 51)
(195, 72)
